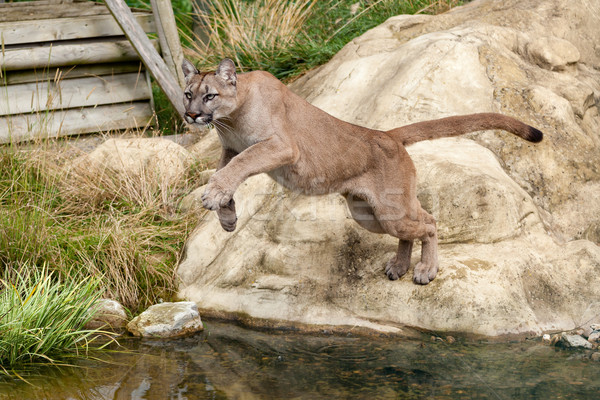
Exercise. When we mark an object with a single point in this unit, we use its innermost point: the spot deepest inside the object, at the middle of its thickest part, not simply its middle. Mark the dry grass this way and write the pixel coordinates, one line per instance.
(248, 30)
(287, 37)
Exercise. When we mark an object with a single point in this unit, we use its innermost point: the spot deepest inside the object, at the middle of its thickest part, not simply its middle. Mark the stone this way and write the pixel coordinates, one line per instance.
(552, 53)
(594, 337)
(546, 339)
(512, 217)
(573, 341)
(109, 315)
(595, 356)
(167, 320)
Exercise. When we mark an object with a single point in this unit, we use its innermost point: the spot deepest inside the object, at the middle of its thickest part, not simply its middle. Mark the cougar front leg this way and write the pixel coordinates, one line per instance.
(226, 156)
(261, 157)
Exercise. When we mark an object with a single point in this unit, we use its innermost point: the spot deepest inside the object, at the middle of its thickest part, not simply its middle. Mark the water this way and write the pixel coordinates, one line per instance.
(230, 362)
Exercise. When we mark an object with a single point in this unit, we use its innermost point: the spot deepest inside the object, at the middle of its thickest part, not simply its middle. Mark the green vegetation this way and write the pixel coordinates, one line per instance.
(41, 318)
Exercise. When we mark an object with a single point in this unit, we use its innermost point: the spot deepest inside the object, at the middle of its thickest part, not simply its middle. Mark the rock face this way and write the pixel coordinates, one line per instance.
(167, 320)
(518, 223)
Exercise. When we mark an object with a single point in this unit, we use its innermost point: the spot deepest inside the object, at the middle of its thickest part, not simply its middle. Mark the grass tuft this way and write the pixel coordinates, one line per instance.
(42, 318)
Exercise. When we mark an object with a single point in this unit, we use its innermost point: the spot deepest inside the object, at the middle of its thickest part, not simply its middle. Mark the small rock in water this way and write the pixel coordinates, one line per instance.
(167, 320)
(594, 337)
(450, 339)
(595, 356)
(546, 339)
(107, 315)
(573, 341)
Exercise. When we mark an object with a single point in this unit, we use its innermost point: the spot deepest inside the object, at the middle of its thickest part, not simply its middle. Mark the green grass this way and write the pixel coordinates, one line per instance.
(42, 318)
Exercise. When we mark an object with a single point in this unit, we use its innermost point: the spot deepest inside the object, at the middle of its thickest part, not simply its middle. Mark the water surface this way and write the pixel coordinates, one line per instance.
(230, 362)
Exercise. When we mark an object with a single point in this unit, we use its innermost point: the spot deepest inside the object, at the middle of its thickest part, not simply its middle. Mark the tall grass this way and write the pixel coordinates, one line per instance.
(288, 37)
(127, 232)
(42, 318)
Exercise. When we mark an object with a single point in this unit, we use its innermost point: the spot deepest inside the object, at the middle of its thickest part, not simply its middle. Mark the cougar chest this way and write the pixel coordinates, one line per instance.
(235, 139)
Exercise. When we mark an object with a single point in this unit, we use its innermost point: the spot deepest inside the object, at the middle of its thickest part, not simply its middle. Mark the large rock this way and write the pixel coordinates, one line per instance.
(509, 213)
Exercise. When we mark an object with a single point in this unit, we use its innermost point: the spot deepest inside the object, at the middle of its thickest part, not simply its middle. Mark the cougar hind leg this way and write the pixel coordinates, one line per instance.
(408, 222)
(363, 214)
(398, 265)
(427, 269)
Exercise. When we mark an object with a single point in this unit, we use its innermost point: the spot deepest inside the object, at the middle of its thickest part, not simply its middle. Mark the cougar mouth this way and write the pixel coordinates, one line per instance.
(192, 118)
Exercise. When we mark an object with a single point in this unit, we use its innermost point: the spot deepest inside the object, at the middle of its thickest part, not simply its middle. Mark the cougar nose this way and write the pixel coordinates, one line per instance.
(192, 115)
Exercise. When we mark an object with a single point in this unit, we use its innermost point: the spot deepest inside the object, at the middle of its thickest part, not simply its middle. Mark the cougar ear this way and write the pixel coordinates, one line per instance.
(226, 70)
(189, 70)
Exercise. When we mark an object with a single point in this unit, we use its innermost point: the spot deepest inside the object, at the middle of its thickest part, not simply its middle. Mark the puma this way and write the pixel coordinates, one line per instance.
(265, 127)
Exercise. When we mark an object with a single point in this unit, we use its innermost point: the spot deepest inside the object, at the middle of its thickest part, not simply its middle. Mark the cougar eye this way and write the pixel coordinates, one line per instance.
(209, 97)
(188, 95)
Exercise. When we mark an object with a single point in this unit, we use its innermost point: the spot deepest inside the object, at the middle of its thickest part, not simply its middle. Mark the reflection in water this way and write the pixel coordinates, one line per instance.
(229, 362)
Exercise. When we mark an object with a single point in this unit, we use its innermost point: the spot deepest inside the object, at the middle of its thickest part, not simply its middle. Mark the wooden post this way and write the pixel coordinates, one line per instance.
(168, 36)
(150, 57)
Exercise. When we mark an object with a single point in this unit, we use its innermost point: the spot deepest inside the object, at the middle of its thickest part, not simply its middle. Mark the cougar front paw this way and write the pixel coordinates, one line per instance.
(229, 226)
(227, 216)
(216, 196)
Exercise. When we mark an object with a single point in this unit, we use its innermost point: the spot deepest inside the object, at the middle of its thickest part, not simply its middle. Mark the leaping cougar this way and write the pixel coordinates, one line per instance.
(265, 127)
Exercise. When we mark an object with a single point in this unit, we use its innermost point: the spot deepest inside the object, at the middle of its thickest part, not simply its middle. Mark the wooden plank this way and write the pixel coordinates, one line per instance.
(27, 12)
(32, 10)
(79, 71)
(18, 128)
(71, 93)
(168, 36)
(37, 2)
(154, 63)
(48, 56)
(45, 30)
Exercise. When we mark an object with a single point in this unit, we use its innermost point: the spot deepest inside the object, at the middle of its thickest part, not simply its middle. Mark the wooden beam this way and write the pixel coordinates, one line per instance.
(154, 63)
(73, 93)
(60, 55)
(18, 128)
(46, 30)
(168, 36)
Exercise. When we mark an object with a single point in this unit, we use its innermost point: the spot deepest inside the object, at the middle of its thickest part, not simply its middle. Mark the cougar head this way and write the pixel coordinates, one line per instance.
(209, 96)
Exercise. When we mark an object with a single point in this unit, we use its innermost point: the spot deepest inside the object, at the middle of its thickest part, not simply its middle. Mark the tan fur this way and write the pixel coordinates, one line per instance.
(265, 127)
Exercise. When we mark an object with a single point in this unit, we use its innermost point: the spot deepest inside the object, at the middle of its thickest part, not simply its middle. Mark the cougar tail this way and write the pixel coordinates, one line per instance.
(459, 125)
